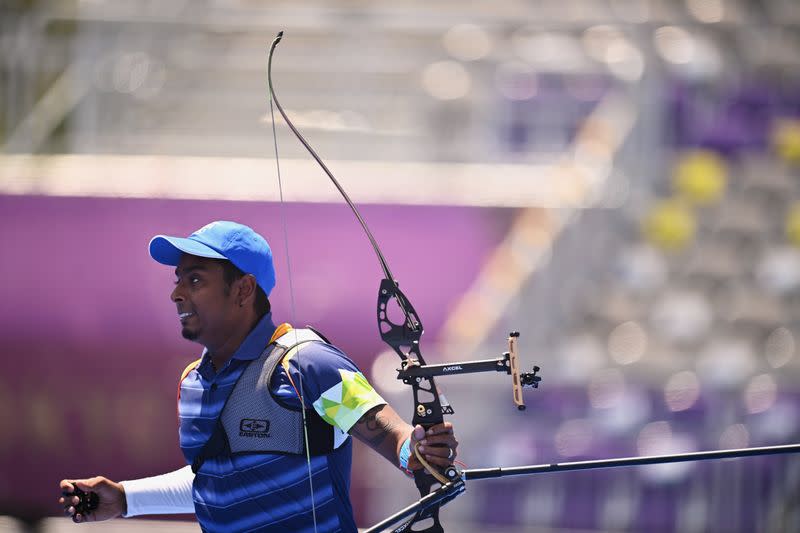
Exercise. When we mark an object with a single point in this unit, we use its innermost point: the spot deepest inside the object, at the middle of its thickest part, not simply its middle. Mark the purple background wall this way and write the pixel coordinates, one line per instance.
(92, 345)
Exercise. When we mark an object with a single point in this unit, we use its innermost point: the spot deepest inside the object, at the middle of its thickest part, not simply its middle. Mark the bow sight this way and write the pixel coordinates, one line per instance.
(411, 371)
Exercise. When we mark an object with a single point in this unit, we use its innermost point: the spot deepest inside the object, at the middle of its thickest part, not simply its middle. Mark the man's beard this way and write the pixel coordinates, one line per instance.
(189, 334)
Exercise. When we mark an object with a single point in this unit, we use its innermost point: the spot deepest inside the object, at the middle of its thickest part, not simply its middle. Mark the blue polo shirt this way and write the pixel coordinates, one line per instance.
(271, 492)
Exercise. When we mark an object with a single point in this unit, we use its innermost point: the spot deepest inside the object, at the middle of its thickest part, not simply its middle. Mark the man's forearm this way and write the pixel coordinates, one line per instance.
(382, 429)
(169, 493)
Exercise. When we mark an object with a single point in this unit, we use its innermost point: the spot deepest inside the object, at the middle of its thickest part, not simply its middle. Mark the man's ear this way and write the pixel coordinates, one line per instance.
(247, 290)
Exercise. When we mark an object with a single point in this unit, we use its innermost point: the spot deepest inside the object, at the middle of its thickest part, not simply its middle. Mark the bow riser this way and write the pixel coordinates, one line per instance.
(428, 411)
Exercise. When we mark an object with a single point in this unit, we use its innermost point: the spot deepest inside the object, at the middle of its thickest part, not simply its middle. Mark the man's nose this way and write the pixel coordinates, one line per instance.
(176, 295)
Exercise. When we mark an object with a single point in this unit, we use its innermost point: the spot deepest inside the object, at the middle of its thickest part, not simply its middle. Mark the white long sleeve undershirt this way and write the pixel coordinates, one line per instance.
(169, 493)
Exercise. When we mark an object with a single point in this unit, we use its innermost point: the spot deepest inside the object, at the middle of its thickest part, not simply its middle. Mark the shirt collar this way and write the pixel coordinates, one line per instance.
(257, 340)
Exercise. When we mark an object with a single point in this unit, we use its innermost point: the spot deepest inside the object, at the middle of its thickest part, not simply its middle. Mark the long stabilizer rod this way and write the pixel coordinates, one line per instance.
(451, 490)
(488, 473)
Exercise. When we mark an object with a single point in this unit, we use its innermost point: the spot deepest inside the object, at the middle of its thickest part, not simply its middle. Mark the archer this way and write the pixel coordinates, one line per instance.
(265, 414)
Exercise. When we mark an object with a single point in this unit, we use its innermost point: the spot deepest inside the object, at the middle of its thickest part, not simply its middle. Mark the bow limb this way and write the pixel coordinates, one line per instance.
(387, 273)
(402, 338)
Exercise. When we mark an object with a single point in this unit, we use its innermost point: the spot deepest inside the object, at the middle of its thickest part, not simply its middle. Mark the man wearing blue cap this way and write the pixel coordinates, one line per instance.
(266, 413)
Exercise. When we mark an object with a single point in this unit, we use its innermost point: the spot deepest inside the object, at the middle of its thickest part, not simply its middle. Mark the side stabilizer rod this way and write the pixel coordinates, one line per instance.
(489, 473)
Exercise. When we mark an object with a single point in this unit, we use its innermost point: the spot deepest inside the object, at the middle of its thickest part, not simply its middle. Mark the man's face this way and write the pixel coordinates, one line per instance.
(206, 305)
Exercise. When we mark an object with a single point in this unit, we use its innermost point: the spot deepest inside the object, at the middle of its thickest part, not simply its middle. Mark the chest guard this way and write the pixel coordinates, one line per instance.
(253, 420)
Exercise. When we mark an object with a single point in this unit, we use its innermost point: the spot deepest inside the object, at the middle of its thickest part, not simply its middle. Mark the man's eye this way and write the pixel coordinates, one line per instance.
(194, 279)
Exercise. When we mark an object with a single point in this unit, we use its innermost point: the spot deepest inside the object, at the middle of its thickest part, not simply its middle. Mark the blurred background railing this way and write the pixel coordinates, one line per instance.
(617, 179)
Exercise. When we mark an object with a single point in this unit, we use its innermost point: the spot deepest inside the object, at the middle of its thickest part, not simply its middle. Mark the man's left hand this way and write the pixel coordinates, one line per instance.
(438, 445)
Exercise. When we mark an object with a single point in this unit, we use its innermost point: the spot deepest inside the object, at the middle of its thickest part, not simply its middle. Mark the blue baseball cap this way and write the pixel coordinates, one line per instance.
(222, 239)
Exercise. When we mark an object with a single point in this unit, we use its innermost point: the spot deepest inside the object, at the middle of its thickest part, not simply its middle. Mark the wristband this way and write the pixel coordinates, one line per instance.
(405, 454)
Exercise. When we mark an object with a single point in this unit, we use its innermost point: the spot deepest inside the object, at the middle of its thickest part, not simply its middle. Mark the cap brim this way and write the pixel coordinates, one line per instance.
(168, 250)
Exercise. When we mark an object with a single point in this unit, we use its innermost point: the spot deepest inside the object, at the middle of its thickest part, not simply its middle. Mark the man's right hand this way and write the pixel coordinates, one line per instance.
(112, 503)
